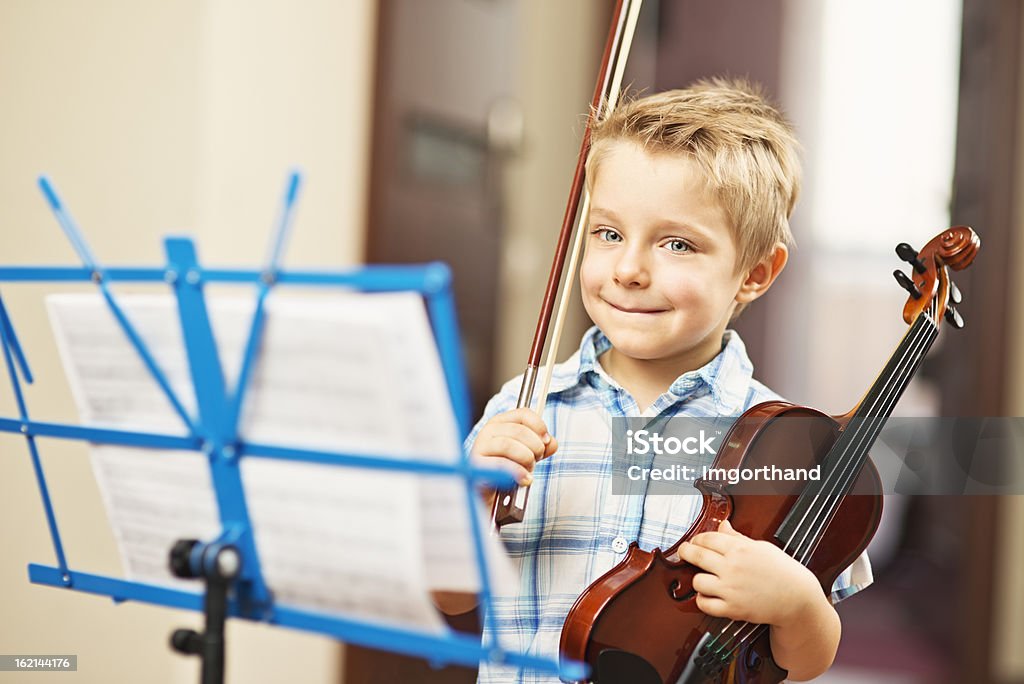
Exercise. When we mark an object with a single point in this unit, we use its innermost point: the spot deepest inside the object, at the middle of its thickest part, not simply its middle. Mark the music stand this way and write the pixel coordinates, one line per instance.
(230, 563)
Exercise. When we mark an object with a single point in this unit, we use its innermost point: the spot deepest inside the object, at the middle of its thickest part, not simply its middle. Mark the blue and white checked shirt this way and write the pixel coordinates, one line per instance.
(575, 529)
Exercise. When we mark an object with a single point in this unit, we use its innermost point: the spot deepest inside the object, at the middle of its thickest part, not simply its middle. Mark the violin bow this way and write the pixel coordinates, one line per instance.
(510, 506)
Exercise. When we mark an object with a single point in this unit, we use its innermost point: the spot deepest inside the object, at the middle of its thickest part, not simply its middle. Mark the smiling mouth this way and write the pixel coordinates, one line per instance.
(625, 309)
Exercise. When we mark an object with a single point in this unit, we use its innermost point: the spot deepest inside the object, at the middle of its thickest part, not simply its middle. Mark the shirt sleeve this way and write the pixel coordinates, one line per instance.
(853, 579)
(504, 400)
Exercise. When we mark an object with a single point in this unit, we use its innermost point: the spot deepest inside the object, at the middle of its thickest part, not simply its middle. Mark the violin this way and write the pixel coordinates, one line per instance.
(639, 622)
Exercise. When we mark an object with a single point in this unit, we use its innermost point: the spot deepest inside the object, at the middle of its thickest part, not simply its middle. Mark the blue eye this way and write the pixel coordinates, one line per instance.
(678, 246)
(606, 235)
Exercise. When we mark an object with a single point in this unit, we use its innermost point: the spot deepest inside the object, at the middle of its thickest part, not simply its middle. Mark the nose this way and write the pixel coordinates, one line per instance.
(632, 269)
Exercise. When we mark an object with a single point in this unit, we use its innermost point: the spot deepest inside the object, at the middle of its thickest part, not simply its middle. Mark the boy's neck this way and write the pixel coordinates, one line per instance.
(648, 379)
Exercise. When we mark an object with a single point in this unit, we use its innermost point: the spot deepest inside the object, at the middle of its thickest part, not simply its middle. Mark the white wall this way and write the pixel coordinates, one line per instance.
(852, 212)
(156, 118)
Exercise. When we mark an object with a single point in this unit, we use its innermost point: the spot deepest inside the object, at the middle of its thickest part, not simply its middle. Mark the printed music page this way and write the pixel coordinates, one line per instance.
(348, 373)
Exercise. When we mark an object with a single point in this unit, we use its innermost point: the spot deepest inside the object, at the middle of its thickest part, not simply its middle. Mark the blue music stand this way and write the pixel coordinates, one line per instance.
(213, 431)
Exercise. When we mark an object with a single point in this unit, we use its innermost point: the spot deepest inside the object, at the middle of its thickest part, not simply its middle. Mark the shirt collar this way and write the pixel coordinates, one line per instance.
(726, 377)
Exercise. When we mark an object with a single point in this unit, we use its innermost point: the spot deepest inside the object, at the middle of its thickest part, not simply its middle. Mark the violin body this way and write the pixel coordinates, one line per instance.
(640, 623)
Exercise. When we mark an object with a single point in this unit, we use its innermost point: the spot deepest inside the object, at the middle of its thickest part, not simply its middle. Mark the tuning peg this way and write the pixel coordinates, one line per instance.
(954, 318)
(906, 283)
(954, 293)
(909, 254)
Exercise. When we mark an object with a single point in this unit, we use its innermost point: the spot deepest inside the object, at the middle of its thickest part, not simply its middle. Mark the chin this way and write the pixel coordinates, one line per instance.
(639, 349)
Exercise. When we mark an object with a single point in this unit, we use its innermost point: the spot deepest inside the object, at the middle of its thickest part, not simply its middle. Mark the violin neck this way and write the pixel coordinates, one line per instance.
(813, 509)
(881, 398)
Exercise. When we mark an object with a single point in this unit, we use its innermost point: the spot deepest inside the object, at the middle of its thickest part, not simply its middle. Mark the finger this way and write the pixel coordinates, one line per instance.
(718, 542)
(522, 434)
(519, 473)
(711, 605)
(702, 557)
(524, 478)
(550, 448)
(727, 528)
(501, 446)
(530, 419)
(707, 584)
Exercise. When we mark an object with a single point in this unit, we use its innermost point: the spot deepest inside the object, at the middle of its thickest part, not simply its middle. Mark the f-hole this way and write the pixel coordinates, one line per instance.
(675, 589)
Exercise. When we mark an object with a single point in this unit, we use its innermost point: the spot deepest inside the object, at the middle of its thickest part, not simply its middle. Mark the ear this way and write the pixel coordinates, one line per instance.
(763, 274)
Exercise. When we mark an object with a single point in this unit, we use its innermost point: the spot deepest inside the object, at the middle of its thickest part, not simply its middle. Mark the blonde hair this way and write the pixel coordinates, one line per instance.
(745, 147)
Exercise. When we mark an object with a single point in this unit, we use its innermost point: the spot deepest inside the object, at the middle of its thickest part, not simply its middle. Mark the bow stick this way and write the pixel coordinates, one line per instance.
(510, 506)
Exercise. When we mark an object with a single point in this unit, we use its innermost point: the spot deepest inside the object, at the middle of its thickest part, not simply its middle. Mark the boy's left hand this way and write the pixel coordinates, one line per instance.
(748, 579)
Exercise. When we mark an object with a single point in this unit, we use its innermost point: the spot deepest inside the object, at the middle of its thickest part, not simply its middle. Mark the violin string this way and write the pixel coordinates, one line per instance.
(832, 499)
(730, 650)
(850, 468)
(740, 626)
(755, 629)
(888, 402)
(727, 646)
(887, 399)
(927, 332)
(916, 346)
(804, 555)
(930, 331)
(734, 638)
(707, 625)
(913, 348)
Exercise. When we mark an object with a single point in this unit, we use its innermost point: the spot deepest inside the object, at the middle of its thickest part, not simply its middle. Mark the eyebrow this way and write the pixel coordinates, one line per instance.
(603, 212)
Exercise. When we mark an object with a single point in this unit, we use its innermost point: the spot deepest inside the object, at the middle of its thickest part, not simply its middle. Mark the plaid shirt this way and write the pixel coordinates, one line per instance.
(575, 530)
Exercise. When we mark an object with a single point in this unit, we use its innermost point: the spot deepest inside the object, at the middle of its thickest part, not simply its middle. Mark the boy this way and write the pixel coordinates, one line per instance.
(691, 195)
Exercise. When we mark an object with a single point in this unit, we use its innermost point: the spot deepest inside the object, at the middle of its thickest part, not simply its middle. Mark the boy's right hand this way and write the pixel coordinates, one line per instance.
(517, 439)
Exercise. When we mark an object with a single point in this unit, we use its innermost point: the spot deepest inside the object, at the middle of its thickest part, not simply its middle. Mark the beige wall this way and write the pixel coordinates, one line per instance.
(556, 83)
(156, 118)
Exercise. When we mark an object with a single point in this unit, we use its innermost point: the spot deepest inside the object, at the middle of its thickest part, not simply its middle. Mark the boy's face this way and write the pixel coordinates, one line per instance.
(659, 273)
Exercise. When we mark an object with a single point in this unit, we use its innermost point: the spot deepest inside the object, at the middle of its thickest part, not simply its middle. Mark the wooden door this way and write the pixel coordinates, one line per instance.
(445, 71)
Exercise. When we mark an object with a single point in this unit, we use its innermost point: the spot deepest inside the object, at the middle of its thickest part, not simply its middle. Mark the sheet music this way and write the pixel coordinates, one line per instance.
(452, 565)
(154, 498)
(352, 373)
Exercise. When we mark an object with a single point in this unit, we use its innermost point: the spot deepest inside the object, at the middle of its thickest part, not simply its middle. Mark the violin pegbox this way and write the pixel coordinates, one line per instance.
(931, 289)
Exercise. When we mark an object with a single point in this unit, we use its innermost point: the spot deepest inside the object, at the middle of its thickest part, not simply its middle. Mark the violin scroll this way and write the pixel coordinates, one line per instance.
(956, 247)
(932, 292)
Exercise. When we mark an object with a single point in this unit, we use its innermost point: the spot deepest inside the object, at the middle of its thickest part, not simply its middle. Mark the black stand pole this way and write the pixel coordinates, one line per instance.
(218, 565)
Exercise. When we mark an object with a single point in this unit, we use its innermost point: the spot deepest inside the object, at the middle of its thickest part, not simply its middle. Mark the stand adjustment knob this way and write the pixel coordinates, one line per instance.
(218, 565)
(181, 558)
(187, 641)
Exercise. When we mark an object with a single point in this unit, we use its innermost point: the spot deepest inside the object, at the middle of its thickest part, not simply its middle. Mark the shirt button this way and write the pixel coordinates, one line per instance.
(619, 545)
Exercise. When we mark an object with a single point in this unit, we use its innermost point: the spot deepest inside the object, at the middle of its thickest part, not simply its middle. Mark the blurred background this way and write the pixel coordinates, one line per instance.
(448, 129)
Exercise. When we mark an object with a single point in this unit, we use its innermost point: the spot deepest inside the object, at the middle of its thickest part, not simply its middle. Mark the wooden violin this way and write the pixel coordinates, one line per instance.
(639, 622)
